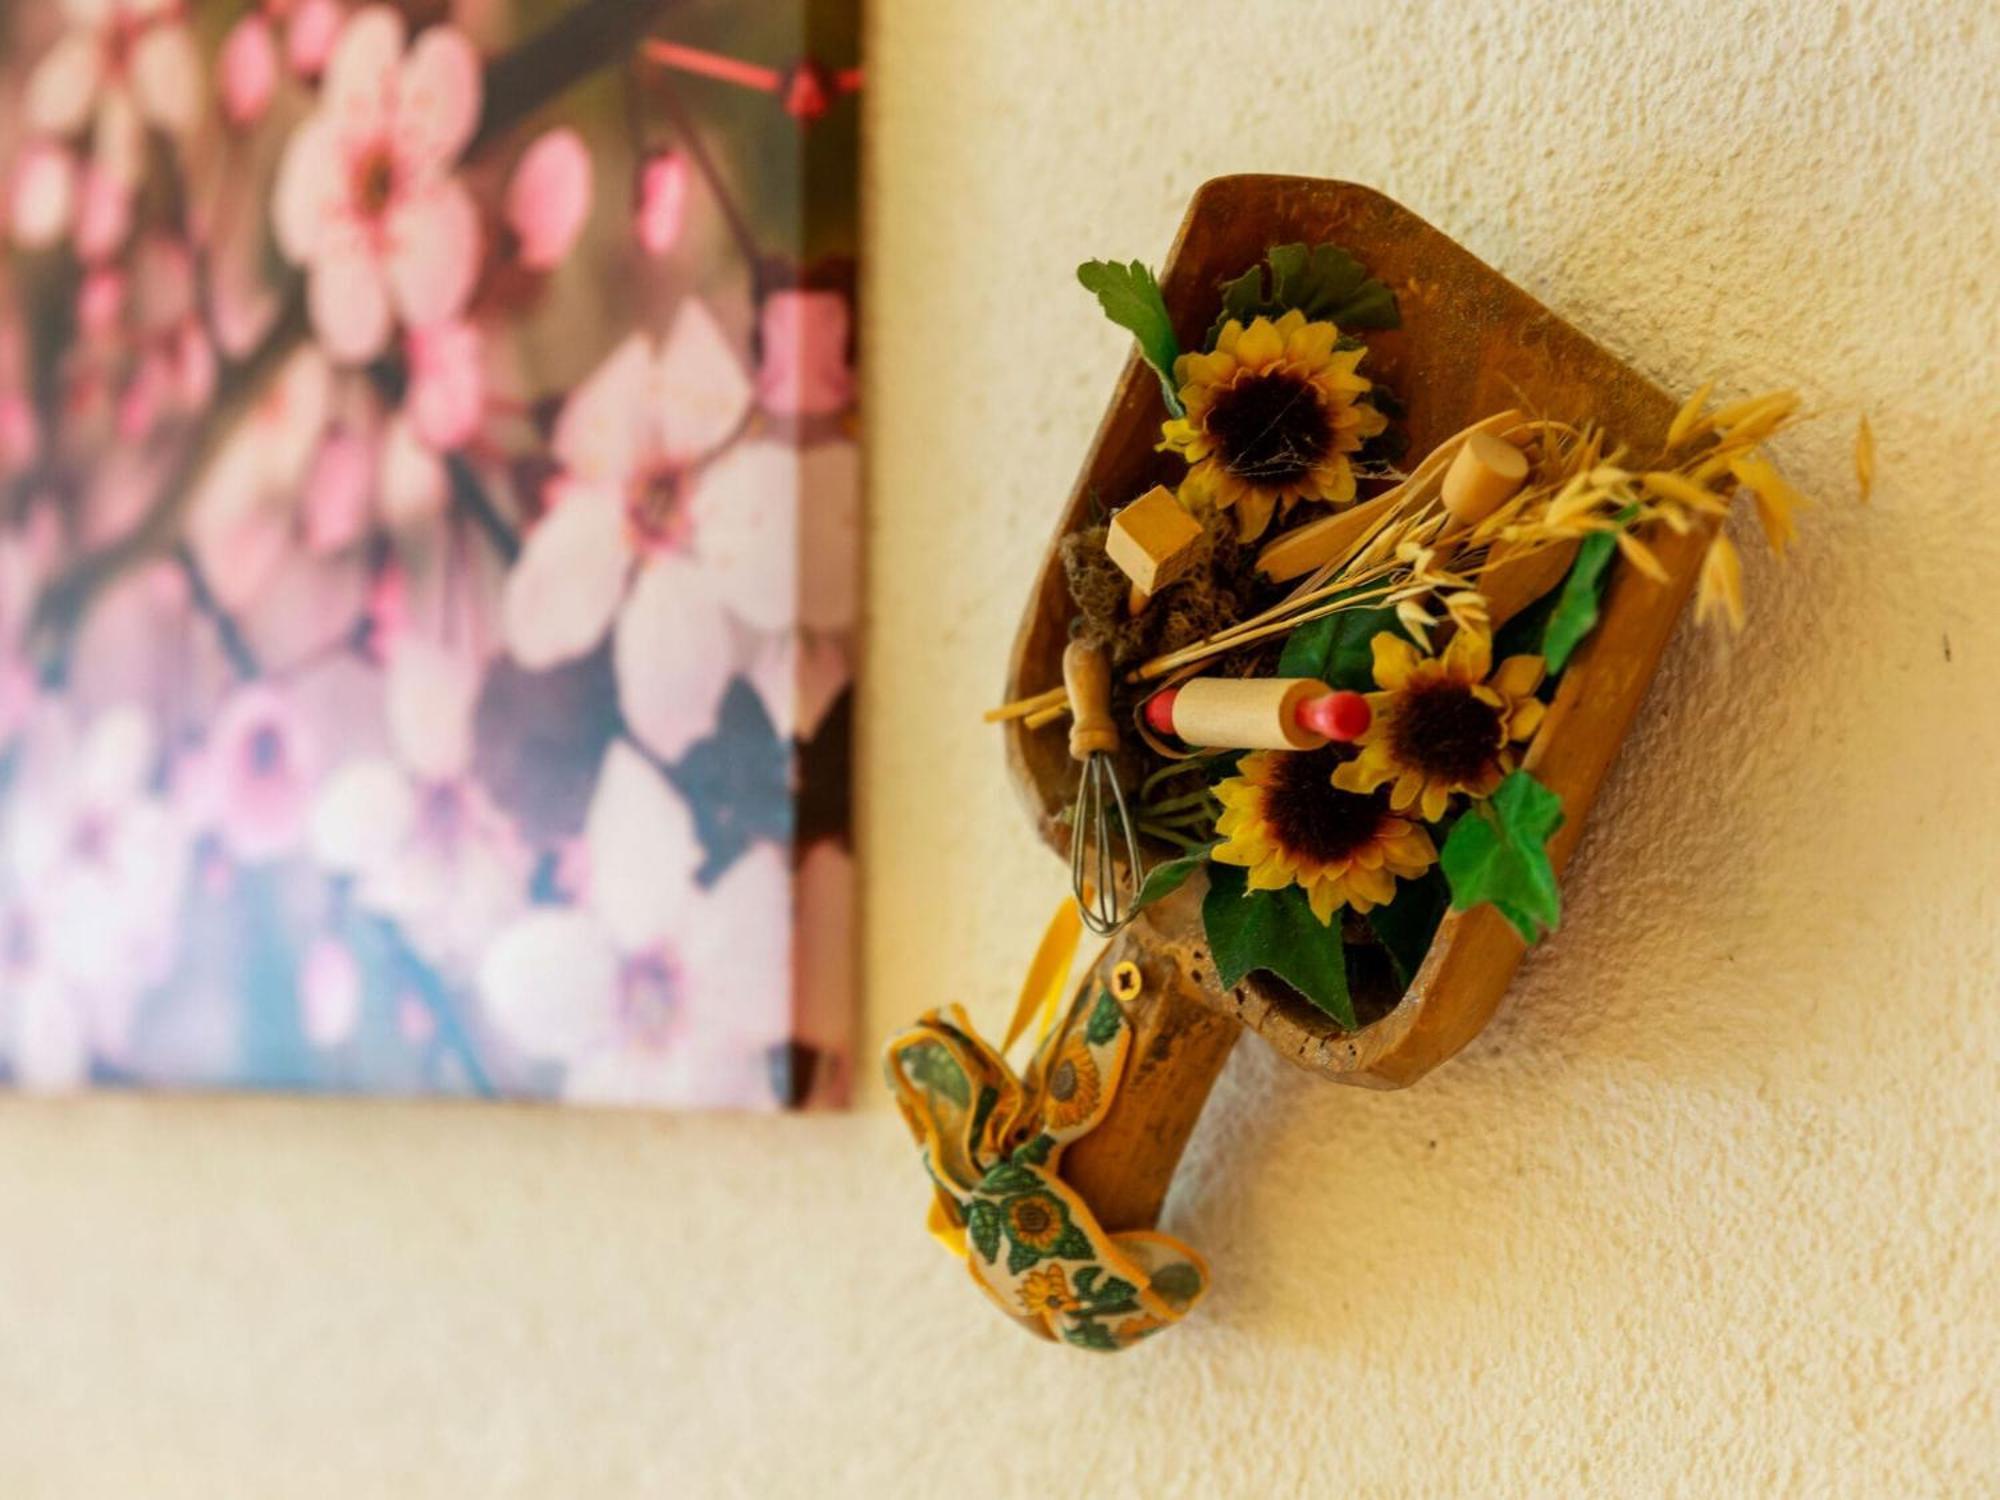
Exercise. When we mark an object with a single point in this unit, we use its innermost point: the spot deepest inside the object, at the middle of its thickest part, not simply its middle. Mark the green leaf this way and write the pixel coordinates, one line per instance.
(1072, 1244)
(1498, 852)
(1115, 1289)
(1338, 649)
(1131, 298)
(1323, 282)
(1164, 879)
(1035, 1152)
(930, 1066)
(1105, 1019)
(1407, 924)
(1275, 931)
(1090, 1334)
(982, 1226)
(1574, 614)
(1006, 1177)
(1020, 1257)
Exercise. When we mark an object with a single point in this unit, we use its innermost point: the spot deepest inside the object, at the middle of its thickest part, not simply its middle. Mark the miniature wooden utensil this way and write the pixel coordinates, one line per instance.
(1471, 345)
(1093, 741)
(1257, 713)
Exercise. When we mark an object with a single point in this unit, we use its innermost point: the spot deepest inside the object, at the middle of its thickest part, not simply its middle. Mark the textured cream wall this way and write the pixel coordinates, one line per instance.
(1710, 1209)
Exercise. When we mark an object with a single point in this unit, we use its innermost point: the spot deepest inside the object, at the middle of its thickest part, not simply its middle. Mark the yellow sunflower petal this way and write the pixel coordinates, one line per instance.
(1469, 657)
(1526, 719)
(1436, 800)
(1260, 345)
(1311, 344)
(1395, 659)
(1362, 775)
(1519, 676)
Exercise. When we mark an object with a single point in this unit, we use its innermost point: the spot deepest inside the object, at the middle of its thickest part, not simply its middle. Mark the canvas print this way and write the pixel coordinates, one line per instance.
(429, 498)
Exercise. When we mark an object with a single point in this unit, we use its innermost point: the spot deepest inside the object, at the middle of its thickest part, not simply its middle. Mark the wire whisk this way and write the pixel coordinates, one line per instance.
(1093, 848)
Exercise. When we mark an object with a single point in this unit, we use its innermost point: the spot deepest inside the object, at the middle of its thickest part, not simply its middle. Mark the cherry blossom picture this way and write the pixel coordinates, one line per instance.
(429, 502)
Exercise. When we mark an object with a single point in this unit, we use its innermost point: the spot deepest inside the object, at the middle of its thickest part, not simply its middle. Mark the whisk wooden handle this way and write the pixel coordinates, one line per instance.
(1087, 680)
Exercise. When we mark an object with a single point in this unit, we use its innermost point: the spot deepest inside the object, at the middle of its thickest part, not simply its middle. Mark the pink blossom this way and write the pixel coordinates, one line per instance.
(20, 427)
(43, 195)
(805, 370)
(240, 520)
(248, 68)
(258, 774)
(366, 199)
(339, 490)
(20, 432)
(652, 492)
(426, 845)
(24, 562)
(100, 301)
(447, 394)
(98, 864)
(310, 38)
(122, 66)
(549, 198)
(662, 208)
(653, 991)
(329, 990)
(103, 213)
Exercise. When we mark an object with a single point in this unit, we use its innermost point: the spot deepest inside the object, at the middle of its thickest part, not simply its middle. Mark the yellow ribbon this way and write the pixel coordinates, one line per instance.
(992, 1143)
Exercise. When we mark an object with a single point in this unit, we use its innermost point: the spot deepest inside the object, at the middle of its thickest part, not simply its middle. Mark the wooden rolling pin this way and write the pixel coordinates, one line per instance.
(1258, 713)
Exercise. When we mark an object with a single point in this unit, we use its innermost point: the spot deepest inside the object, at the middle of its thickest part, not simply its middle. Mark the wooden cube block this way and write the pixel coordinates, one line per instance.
(1152, 540)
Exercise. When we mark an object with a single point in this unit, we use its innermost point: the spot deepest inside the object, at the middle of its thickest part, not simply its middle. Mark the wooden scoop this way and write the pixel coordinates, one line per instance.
(1471, 345)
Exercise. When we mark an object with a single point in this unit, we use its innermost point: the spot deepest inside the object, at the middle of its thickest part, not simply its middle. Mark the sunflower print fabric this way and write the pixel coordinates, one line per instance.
(993, 1143)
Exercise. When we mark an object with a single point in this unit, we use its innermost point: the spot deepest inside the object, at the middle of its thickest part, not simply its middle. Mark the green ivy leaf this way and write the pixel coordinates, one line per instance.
(1498, 852)
(1338, 649)
(1275, 931)
(1324, 282)
(1164, 879)
(1407, 924)
(1131, 298)
(1115, 1289)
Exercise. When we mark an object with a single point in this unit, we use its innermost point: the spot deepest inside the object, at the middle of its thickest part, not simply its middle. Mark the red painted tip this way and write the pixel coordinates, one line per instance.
(1342, 717)
(1160, 710)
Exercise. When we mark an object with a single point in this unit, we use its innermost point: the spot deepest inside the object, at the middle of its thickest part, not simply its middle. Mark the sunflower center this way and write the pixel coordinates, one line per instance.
(1446, 732)
(1062, 1081)
(1034, 1217)
(1313, 817)
(1271, 428)
(374, 181)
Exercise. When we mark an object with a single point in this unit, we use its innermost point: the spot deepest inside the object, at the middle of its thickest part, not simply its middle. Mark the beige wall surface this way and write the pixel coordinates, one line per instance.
(1712, 1208)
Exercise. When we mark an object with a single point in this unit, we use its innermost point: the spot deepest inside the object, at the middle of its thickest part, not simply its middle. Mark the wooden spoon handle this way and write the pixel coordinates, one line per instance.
(1087, 679)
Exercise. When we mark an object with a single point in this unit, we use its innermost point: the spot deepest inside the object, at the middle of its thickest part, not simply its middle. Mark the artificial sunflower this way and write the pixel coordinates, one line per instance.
(1046, 1290)
(1287, 822)
(1443, 724)
(1071, 1092)
(1272, 413)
